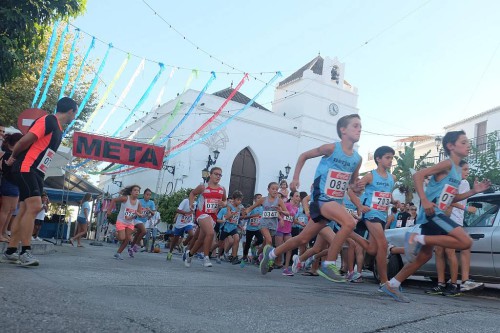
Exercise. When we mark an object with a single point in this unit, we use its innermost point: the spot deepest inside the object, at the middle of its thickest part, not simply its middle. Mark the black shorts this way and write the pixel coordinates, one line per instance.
(361, 229)
(315, 211)
(38, 222)
(225, 234)
(30, 184)
(375, 220)
(437, 225)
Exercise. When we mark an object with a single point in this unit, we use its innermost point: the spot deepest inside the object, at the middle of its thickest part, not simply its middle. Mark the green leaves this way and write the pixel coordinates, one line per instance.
(167, 204)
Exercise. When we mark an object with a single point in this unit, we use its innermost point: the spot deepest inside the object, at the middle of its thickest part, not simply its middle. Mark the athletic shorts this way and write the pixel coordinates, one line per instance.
(30, 184)
(38, 222)
(439, 224)
(224, 234)
(122, 226)
(9, 189)
(361, 229)
(203, 216)
(296, 231)
(183, 230)
(81, 220)
(315, 211)
(376, 220)
(283, 234)
(271, 224)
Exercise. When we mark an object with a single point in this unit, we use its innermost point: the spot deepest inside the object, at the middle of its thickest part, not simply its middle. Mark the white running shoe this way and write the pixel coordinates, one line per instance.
(297, 265)
(206, 262)
(471, 285)
(187, 262)
(27, 259)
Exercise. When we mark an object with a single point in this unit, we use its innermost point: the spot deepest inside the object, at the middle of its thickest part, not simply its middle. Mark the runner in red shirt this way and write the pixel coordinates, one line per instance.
(30, 160)
(210, 198)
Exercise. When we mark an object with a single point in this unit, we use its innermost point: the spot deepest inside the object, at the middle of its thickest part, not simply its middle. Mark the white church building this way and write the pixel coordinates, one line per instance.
(258, 144)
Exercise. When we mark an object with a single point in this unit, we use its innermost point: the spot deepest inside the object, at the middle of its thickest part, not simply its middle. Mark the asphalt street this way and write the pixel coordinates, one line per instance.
(86, 290)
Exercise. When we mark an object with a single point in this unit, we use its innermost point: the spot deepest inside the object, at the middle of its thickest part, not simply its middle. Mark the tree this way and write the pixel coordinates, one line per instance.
(406, 167)
(23, 25)
(484, 163)
(17, 95)
(167, 204)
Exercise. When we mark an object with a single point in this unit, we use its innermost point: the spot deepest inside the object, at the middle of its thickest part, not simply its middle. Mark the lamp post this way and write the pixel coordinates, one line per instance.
(282, 176)
(438, 140)
(169, 168)
(205, 173)
(116, 182)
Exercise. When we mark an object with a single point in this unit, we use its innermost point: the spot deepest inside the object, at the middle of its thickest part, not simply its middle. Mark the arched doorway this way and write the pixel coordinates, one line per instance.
(243, 176)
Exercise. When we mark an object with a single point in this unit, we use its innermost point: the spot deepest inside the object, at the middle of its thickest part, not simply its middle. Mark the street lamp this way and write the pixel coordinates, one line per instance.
(205, 173)
(282, 176)
(116, 182)
(438, 140)
(170, 168)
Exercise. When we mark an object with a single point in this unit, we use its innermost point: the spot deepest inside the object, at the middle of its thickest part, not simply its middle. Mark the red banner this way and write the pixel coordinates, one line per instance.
(103, 148)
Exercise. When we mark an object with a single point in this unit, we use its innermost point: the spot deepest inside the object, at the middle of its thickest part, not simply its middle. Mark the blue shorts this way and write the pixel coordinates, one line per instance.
(81, 220)
(439, 224)
(183, 230)
(9, 189)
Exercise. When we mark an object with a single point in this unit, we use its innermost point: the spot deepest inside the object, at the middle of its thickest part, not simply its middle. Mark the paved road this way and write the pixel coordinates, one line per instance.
(85, 290)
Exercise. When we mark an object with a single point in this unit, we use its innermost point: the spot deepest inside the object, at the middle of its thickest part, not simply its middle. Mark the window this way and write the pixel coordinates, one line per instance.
(487, 209)
(481, 138)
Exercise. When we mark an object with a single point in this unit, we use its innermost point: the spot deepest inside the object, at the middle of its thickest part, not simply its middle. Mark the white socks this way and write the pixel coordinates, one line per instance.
(272, 255)
(394, 283)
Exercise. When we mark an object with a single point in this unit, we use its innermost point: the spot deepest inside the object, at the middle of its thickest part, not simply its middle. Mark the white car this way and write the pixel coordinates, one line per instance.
(482, 226)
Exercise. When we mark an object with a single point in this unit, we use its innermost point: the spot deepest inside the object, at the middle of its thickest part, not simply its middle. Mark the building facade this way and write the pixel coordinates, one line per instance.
(256, 145)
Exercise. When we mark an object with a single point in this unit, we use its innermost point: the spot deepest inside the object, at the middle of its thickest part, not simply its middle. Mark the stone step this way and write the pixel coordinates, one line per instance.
(37, 247)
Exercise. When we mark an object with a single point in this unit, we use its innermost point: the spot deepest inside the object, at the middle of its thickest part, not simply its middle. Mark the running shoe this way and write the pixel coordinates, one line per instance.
(412, 247)
(187, 262)
(169, 256)
(136, 248)
(297, 265)
(471, 285)
(331, 272)
(10, 258)
(266, 262)
(131, 252)
(397, 294)
(206, 262)
(27, 259)
(217, 260)
(452, 290)
(39, 239)
(200, 256)
(287, 272)
(437, 290)
(309, 263)
(185, 254)
(356, 278)
(253, 251)
(118, 256)
(236, 260)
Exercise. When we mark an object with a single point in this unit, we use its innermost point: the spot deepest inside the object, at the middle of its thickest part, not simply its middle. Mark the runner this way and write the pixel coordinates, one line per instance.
(130, 208)
(437, 228)
(284, 231)
(183, 225)
(253, 230)
(82, 220)
(272, 206)
(337, 170)
(374, 203)
(210, 198)
(30, 160)
(149, 209)
(235, 211)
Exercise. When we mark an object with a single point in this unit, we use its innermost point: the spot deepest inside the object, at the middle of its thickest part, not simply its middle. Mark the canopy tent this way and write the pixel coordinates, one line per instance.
(72, 182)
(61, 196)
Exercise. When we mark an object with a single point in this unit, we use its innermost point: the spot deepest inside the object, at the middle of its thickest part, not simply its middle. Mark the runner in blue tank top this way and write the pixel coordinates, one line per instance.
(437, 228)
(374, 203)
(337, 169)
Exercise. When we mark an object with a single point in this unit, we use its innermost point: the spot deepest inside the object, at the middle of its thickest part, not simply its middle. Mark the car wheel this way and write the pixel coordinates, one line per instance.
(394, 265)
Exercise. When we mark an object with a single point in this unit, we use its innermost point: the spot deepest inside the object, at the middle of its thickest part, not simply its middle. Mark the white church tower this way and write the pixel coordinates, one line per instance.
(316, 95)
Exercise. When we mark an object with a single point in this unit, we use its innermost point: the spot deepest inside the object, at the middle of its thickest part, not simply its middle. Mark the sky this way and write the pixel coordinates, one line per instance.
(418, 65)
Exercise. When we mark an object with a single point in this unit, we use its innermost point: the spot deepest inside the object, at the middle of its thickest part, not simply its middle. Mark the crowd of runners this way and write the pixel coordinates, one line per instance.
(287, 229)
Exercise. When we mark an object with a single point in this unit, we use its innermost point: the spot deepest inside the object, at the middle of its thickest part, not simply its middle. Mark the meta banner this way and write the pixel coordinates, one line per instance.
(103, 148)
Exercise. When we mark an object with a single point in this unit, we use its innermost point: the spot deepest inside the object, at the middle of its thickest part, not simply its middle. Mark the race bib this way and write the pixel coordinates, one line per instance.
(288, 218)
(46, 159)
(130, 213)
(254, 221)
(269, 214)
(301, 219)
(446, 197)
(399, 223)
(381, 200)
(350, 211)
(410, 223)
(185, 219)
(336, 183)
(235, 219)
(211, 206)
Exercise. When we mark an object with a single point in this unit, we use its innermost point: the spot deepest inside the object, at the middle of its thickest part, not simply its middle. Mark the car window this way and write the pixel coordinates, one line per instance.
(486, 211)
